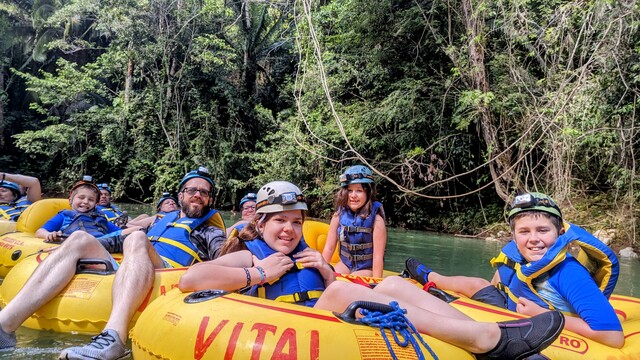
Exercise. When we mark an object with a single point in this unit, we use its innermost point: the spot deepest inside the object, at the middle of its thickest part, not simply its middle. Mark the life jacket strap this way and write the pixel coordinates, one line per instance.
(299, 296)
(356, 247)
(4, 214)
(180, 246)
(172, 263)
(352, 257)
(357, 229)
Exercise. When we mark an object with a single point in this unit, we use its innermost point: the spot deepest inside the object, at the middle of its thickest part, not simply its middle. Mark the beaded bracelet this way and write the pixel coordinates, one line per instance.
(246, 272)
(263, 274)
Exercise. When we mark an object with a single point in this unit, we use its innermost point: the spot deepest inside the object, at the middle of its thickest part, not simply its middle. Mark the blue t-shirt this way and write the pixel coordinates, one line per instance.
(59, 222)
(570, 282)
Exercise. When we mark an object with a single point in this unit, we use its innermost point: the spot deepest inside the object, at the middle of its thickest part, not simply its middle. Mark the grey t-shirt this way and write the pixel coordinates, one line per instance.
(207, 239)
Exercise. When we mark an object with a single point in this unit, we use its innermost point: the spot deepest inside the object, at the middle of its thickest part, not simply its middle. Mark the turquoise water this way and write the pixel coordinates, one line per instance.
(443, 253)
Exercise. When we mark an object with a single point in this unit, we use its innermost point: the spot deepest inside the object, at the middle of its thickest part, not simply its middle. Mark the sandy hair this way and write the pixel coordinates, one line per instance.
(75, 191)
(557, 222)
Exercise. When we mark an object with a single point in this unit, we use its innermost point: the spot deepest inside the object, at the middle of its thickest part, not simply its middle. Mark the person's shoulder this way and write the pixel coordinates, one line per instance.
(209, 230)
(571, 267)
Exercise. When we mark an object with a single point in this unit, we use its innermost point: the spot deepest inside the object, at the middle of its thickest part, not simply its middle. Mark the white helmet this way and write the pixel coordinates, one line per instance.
(279, 196)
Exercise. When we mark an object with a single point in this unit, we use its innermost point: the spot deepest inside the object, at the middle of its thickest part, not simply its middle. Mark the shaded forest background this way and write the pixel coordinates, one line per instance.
(457, 105)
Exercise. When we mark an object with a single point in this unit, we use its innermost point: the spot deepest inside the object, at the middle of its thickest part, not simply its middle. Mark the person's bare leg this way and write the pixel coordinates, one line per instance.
(133, 281)
(50, 278)
(450, 325)
(465, 285)
(341, 268)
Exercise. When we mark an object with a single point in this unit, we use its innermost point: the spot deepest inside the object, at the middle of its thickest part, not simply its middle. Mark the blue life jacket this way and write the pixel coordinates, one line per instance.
(92, 222)
(111, 212)
(23, 203)
(171, 237)
(517, 275)
(10, 211)
(356, 238)
(159, 216)
(302, 286)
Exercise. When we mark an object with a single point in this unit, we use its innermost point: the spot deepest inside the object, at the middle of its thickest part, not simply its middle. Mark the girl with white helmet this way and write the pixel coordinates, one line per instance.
(357, 225)
(271, 260)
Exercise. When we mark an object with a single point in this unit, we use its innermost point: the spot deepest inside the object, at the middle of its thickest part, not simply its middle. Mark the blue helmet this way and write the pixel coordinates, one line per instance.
(104, 186)
(165, 196)
(357, 174)
(249, 197)
(15, 188)
(202, 173)
(534, 201)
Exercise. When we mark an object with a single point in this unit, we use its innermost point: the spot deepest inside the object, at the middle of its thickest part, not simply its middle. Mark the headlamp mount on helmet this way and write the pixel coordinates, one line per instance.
(104, 186)
(88, 181)
(282, 199)
(534, 202)
(350, 177)
(202, 173)
(357, 174)
(248, 197)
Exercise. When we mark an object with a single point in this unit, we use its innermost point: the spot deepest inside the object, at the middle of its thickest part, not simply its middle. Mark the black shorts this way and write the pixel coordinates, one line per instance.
(493, 296)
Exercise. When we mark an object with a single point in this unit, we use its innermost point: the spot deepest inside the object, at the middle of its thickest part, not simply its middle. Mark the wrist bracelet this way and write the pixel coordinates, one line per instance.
(246, 272)
(263, 274)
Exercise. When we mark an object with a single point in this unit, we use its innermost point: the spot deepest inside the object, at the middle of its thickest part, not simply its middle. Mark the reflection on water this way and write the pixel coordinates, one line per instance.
(442, 253)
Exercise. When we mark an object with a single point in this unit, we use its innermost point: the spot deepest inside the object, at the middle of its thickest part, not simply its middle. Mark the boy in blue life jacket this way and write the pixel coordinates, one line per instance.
(83, 216)
(549, 265)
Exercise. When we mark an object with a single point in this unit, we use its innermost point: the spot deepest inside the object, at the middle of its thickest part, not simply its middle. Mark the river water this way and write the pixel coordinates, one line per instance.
(443, 253)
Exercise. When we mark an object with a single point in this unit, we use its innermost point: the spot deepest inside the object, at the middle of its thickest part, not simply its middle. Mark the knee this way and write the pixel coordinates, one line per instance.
(136, 240)
(336, 287)
(391, 285)
(79, 241)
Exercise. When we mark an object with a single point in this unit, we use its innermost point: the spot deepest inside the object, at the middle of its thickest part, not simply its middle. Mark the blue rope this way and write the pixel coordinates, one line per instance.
(398, 324)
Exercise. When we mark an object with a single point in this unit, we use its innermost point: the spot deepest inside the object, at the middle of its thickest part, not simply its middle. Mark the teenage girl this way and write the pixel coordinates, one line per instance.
(358, 224)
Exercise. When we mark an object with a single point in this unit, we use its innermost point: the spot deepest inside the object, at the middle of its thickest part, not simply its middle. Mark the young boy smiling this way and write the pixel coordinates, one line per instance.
(540, 270)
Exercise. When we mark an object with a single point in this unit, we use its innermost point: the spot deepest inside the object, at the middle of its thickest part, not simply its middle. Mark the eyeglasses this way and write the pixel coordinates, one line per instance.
(192, 191)
(247, 208)
(351, 177)
(283, 199)
(526, 201)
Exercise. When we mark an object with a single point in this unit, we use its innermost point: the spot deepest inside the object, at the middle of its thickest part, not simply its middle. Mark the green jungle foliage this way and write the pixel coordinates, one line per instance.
(457, 105)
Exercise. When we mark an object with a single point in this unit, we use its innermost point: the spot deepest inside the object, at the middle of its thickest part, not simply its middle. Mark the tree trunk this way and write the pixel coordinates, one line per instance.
(499, 162)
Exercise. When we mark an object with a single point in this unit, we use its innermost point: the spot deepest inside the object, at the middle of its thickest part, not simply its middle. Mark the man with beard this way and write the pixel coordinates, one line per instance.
(194, 234)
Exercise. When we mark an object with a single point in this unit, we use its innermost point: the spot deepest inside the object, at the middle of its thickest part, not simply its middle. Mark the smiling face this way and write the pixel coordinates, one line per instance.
(248, 210)
(357, 197)
(283, 231)
(83, 199)
(197, 204)
(105, 198)
(534, 234)
(168, 206)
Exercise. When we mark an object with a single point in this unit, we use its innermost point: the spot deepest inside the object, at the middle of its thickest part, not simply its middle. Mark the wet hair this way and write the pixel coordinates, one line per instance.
(557, 222)
(342, 200)
(249, 232)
